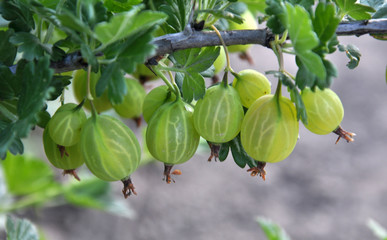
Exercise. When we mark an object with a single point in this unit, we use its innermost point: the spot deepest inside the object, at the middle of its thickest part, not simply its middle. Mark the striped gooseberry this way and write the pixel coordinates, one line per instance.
(171, 137)
(131, 106)
(324, 110)
(250, 86)
(218, 115)
(66, 124)
(220, 61)
(79, 83)
(270, 129)
(154, 99)
(110, 149)
(248, 23)
(66, 158)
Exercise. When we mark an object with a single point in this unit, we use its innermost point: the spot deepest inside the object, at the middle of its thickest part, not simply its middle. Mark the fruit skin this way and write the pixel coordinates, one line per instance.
(73, 160)
(110, 149)
(249, 23)
(218, 115)
(79, 83)
(323, 109)
(154, 99)
(270, 129)
(66, 124)
(144, 73)
(171, 137)
(250, 86)
(131, 105)
(220, 62)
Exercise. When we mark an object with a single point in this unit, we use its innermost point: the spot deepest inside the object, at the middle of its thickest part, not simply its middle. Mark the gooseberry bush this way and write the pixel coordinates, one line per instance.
(107, 50)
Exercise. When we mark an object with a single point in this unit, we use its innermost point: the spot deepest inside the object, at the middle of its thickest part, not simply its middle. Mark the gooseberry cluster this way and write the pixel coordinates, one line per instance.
(267, 124)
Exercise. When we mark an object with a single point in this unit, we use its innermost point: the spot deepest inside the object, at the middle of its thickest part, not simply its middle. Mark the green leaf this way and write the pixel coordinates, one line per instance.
(178, 12)
(223, 151)
(354, 10)
(277, 11)
(20, 229)
(126, 24)
(381, 12)
(218, 13)
(241, 158)
(255, 6)
(325, 22)
(26, 175)
(304, 39)
(379, 231)
(95, 193)
(29, 45)
(272, 230)
(89, 56)
(192, 62)
(19, 15)
(35, 79)
(120, 5)
(196, 59)
(58, 83)
(135, 50)
(8, 111)
(193, 86)
(7, 80)
(112, 77)
(7, 49)
(70, 21)
(353, 53)
(307, 4)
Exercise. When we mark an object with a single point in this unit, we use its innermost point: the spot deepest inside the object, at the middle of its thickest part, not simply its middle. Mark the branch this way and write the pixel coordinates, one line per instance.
(196, 39)
(374, 26)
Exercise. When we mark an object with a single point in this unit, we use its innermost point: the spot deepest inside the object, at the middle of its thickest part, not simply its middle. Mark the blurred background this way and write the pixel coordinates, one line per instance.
(321, 191)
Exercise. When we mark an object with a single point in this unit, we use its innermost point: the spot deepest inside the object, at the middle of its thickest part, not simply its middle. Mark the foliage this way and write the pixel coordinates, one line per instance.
(112, 38)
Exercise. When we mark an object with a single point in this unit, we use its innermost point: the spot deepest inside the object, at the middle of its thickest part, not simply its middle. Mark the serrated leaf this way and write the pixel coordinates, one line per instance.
(126, 24)
(70, 21)
(196, 59)
(19, 15)
(239, 154)
(135, 51)
(193, 86)
(325, 22)
(307, 4)
(272, 230)
(89, 56)
(20, 229)
(304, 39)
(120, 5)
(7, 79)
(26, 175)
(381, 12)
(222, 14)
(112, 78)
(35, 79)
(255, 6)
(7, 49)
(355, 10)
(353, 53)
(58, 83)
(277, 11)
(29, 45)
(178, 12)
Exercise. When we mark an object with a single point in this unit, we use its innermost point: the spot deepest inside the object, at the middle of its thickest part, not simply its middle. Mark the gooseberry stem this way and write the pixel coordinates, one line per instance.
(171, 85)
(228, 67)
(89, 96)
